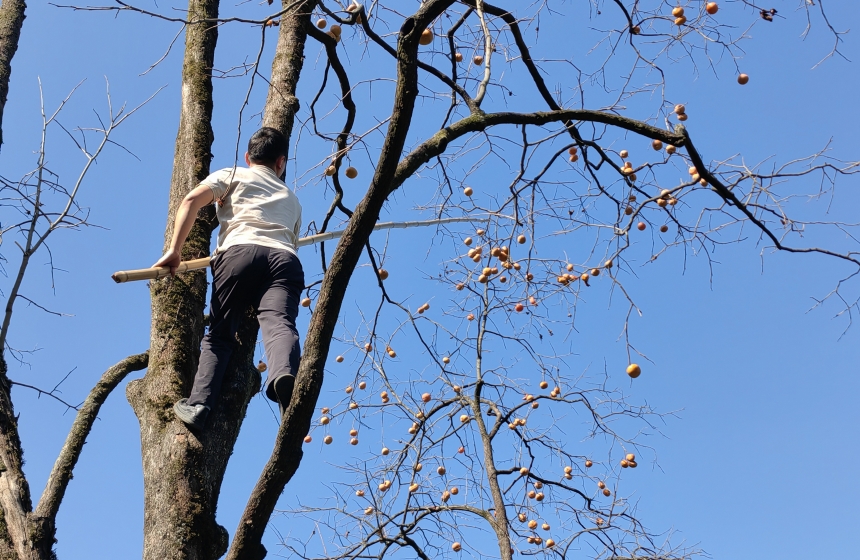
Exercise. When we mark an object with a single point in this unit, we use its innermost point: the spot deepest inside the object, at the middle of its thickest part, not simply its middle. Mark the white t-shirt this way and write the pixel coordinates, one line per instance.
(259, 208)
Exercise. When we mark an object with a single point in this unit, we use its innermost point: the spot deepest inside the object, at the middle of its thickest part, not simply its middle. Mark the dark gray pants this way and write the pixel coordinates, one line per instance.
(269, 279)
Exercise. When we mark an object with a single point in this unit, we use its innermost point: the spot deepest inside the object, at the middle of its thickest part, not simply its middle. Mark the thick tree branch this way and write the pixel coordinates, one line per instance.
(479, 122)
(58, 481)
(282, 103)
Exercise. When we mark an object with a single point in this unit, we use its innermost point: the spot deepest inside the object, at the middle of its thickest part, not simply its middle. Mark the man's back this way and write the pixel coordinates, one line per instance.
(255, 207)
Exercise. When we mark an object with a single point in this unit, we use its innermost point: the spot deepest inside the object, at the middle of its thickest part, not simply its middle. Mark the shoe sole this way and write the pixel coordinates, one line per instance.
(283, 388)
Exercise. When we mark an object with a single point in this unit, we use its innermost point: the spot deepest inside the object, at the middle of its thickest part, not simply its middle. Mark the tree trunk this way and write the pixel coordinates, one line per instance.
(183, 472)
(15, 526)
(11, 19)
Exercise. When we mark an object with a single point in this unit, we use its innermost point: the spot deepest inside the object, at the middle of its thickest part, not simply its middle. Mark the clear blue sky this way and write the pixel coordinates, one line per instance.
(760, 459)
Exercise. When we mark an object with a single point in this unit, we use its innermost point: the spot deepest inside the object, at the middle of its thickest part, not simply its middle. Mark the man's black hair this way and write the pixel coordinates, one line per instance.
(266, 146)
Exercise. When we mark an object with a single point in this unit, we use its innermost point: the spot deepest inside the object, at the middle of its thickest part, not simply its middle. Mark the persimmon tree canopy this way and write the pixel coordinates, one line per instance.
(505, 381)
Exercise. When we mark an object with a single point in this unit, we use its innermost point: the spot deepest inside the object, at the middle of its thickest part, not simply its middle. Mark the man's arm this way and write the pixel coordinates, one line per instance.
(193, 201)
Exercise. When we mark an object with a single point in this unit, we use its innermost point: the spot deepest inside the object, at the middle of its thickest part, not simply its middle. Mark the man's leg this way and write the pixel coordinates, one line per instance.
(236, 275)
(278, 308)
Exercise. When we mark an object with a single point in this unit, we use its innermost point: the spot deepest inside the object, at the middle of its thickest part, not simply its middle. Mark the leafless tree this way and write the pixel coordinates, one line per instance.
(39, 205)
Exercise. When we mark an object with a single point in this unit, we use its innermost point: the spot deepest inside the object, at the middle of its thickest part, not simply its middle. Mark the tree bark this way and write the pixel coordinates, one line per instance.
(15, 529)
(183, 471)
(11, 20)
(281, 102)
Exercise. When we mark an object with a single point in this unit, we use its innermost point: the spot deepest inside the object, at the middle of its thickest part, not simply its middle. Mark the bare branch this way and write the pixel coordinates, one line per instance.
(61, 474)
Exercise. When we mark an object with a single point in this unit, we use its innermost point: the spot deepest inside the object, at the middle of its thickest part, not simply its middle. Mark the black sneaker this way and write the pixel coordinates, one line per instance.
(192, 415)
(283, 388)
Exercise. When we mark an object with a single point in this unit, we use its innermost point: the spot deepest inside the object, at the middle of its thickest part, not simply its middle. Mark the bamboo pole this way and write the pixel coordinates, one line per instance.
(161, 272)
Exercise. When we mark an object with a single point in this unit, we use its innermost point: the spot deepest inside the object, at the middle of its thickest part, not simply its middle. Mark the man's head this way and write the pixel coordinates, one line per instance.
(268, 147)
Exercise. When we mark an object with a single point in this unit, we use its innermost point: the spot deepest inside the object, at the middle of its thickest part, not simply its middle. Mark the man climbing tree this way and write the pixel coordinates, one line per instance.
(255, 263)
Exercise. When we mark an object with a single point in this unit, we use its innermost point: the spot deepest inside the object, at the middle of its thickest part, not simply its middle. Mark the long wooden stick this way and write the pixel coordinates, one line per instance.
(163, 271)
